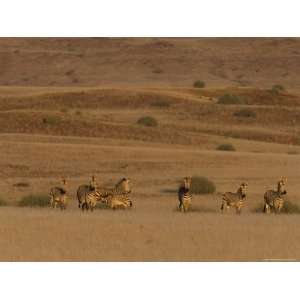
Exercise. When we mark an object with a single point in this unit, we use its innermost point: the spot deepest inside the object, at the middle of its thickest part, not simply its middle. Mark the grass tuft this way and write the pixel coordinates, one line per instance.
(226, 147)
(37, 200)
(245, 113)
(202, 185)
(230, 99)
(147, 121)
(199, 84)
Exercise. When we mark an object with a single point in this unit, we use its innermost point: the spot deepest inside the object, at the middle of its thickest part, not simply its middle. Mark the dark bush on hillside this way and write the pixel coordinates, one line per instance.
(230, 99)
(199, 84)
(147, 121)
(277, 88)
(51, 120)
(161, 103)
(226, 147)
(21, 184)
(245, 113)
(38, 200)
(202, 185)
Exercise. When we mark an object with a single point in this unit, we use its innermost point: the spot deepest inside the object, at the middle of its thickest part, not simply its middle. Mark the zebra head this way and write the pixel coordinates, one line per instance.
(125, 185)
(242, 189)
(187, 182)
(280, 186)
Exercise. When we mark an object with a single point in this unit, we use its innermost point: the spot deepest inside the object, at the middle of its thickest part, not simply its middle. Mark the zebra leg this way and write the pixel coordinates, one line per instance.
(222, 207)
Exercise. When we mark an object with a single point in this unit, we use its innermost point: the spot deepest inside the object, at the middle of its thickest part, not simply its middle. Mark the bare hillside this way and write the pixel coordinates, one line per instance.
(149, 61)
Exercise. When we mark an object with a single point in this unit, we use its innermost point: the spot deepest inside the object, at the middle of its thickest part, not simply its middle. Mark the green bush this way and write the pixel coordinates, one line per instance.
(51, 120)
(199, 84)
(202, 185)
(38, 200)
(277, 88)
(245, 113)
(147, 121)
(2, 202)
(230, 99)
(226, 147)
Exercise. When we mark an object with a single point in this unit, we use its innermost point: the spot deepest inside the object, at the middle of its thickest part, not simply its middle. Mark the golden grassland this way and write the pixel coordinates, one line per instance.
(153, 230)
(70, 108)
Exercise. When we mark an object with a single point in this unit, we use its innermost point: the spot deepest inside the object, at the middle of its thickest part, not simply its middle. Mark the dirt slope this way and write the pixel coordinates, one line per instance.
(149, 61)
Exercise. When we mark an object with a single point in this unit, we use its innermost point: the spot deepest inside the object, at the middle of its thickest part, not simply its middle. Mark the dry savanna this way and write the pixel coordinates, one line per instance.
(153, 110)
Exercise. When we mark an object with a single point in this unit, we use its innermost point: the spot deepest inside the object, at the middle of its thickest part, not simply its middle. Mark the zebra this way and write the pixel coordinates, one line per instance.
(119, 200)
(184, 194)
(236, 200)
(273, 199)
(111, 196)
(84, 189)
(58, 196)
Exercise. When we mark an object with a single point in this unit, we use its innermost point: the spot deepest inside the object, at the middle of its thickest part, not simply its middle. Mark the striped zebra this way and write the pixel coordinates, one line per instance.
(236, 199)
(273, 199)
(84, 189)
(184, 194)
(58, 196)
(113, 197)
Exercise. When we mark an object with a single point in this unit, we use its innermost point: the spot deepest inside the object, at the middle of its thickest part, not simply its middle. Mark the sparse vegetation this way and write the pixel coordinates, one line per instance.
(51, 120)
(230, 99)
(157, 71)
(202, 185)
(277, 89)
(38, 200)
(161, 103)
(245, 113)
(147, 121)
(199, 84)
(226, 147)
(21, 184)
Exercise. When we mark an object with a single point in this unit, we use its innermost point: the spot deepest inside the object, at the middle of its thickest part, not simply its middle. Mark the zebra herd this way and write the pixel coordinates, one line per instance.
(88, 195)
(273, 200)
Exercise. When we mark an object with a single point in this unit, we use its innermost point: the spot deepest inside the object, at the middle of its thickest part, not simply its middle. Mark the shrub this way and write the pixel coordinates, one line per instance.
(277, 88)
(2, 202)
(21, 184)
(226, 147)
(199, 84)
(245, 113)
(202, 185)
(39, 200)
(147, 121)
(51, 120)
(161, 103)
(230, 99)
(157, 71)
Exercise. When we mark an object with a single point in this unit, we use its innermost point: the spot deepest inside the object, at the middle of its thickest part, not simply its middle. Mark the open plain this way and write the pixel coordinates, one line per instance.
(69, 108)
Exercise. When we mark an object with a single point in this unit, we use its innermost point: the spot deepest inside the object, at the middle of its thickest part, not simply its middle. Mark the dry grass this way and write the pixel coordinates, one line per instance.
(53, 128)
